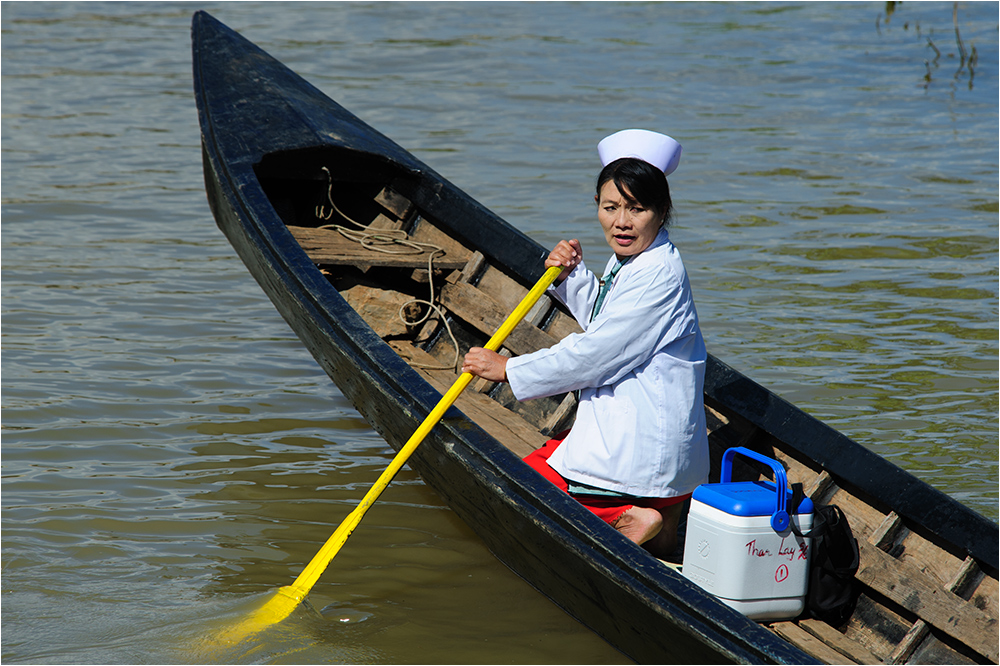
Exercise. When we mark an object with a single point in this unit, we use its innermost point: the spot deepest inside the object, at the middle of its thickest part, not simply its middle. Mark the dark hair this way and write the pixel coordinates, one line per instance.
(647, 184)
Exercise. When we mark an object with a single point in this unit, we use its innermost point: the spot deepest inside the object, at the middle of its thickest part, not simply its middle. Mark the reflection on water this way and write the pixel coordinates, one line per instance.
(172, 455)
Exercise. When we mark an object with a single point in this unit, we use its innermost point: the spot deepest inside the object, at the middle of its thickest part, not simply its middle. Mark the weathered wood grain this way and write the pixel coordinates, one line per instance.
(329, 247)
(914, 591)
(484, 313)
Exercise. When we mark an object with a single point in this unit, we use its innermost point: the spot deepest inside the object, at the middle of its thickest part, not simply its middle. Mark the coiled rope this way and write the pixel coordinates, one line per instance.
(391, 241)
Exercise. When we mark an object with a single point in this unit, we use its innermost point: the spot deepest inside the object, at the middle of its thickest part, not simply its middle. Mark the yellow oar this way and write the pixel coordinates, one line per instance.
(288, 598)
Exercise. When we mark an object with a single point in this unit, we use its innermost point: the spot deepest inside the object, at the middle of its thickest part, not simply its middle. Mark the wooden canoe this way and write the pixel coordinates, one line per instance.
(283, 162)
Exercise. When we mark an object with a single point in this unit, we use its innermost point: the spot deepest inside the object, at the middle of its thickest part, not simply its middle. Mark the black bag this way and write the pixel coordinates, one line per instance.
(835, 560)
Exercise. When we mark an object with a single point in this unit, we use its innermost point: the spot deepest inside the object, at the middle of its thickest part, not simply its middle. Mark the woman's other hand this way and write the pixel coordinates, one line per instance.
(567, 254)
(486, 364)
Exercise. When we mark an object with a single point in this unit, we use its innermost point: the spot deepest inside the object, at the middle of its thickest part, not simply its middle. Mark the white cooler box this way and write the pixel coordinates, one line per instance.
(739, 545)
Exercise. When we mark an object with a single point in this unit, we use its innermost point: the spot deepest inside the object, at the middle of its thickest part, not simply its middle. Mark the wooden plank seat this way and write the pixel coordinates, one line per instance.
(328, 246)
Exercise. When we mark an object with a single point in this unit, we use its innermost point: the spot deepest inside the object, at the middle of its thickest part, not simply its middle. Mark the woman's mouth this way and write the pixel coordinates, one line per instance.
(622, 239)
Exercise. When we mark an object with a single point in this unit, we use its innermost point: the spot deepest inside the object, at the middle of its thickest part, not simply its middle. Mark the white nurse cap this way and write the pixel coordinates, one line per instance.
(657, 149)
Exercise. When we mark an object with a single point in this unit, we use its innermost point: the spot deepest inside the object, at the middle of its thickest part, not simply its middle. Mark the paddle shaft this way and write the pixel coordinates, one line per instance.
(300, 588)
(282, 604)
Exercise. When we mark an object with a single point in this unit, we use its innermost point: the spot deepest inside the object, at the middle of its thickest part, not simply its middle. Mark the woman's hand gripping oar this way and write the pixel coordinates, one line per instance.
(288, 598)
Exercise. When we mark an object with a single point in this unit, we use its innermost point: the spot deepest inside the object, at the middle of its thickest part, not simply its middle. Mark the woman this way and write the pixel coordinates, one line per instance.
(638, 447)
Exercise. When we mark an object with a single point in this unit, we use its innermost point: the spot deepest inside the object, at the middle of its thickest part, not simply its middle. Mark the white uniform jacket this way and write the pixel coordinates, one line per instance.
(640, 369)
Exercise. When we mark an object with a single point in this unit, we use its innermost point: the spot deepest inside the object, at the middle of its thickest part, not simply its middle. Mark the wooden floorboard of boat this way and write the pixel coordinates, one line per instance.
(506, 427)
(809, 643)
(838, 641)
(508, 293)
(480, 310)
(912, 589)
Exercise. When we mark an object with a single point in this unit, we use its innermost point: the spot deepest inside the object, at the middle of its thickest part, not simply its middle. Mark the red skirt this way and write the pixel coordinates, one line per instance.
(608, 509)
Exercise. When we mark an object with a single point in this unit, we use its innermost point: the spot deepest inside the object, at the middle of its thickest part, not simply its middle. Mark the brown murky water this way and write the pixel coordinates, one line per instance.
(171, 453)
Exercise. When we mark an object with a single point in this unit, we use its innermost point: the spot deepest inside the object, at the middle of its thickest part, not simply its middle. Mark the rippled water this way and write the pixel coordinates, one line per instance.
(170, 451)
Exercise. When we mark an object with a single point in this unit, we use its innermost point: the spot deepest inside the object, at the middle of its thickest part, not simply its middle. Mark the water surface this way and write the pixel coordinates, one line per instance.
(171, 453)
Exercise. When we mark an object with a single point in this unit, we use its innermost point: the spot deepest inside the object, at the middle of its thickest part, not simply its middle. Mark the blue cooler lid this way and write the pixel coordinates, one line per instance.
(751, 498)
(745, 498)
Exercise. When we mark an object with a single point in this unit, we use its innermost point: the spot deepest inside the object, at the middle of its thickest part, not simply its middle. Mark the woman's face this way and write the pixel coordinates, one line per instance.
(628, 227)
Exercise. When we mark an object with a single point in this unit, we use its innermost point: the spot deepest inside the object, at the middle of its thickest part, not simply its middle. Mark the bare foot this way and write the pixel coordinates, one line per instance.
(664, 543)
(639, 524)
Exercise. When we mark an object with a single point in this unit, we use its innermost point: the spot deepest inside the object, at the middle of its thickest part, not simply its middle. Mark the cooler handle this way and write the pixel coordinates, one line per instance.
(779, 519)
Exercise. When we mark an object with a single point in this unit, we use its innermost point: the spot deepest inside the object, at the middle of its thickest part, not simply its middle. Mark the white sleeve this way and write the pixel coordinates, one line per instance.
(578, 293)
(639, 317)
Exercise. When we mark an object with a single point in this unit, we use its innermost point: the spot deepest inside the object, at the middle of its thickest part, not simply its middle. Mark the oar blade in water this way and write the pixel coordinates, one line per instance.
(277, 608)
